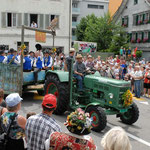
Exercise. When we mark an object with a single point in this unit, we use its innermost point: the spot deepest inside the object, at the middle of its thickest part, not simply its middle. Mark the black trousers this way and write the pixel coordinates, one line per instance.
(36, 74)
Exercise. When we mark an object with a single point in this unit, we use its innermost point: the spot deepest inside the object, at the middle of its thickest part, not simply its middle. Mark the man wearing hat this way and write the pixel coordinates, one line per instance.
(79, 68)
(3, 59)
(27, 62)
(40, 126)
(67, 65)
(47, 61)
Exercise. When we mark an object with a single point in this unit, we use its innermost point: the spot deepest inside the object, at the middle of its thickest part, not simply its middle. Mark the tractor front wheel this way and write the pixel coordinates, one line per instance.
(60, 90)
(131, 116)
(99, 118)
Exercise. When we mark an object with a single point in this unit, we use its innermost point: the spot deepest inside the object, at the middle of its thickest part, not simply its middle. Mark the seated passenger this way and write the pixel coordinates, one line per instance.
(32, 57)
(27, 62)
(3, 58)
(79, 126)
(47, 61)
(12, 58)
(79, 69)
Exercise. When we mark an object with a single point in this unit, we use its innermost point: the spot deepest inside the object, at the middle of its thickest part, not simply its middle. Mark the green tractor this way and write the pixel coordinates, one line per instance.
(102, 96)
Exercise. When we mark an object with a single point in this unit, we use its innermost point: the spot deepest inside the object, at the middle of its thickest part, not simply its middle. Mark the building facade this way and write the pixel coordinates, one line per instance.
(15, 13)
(113, 6)
(83, 8)
(134, 15)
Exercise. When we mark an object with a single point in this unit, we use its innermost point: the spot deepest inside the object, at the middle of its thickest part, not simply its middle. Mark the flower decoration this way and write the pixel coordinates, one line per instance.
(23, 47)
(127, 98)
(79, 122)
(53, 50)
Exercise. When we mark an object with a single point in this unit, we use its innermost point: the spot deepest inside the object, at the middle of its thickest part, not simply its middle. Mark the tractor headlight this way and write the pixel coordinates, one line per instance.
(111, 95)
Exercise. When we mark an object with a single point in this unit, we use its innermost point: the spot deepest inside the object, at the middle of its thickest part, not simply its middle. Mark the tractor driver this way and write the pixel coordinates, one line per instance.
(79, 68)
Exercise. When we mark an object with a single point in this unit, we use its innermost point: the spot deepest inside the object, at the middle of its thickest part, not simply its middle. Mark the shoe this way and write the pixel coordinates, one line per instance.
(137, 97)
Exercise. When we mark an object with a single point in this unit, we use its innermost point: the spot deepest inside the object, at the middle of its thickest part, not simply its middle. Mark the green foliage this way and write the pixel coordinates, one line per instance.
(139, 54)
(108, 36)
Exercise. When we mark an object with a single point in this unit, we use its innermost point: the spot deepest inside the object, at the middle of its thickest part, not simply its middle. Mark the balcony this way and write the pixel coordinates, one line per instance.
(74, 24)
(75, 11)
(73, 38)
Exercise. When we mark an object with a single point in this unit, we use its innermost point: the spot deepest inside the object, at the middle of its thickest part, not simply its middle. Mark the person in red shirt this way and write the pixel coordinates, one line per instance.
(147, 82)
(118, 60)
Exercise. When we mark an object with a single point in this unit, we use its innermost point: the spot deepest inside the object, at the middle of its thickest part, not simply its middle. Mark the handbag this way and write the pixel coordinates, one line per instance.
(4, 137)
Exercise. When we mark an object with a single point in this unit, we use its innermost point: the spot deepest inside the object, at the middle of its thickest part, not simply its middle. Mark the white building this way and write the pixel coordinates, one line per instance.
(83, 8)
(14, 13)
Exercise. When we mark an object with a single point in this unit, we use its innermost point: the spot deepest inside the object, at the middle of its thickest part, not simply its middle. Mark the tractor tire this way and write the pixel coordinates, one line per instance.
(99, 118)
(131, 116)
(60, 90)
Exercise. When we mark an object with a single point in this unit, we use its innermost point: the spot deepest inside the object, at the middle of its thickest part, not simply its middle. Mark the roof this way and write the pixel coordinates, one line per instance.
(120, 10)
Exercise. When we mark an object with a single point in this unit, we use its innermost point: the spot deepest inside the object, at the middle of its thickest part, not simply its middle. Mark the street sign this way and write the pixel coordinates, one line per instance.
(40, 37)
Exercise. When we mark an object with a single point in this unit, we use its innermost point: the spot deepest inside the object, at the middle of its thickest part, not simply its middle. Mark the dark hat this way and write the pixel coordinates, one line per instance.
(11, 50)
(25, 52)
(38, 47)
(31, 52)
(1, 52)
(46, 51)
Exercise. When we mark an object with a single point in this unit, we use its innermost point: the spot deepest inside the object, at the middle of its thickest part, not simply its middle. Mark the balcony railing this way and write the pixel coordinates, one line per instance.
(74, 38)
(75, 10)
(74, 24)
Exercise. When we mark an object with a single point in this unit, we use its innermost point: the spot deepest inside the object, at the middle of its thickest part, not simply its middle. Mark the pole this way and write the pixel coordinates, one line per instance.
(70, 21)
(22, 42)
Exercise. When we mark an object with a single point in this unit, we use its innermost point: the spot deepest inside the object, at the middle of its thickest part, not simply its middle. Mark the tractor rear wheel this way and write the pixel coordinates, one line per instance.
(60, 90)
(131, 116)
(99, 118)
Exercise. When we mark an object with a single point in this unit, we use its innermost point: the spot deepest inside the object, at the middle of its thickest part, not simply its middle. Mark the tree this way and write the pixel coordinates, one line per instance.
(101, 30)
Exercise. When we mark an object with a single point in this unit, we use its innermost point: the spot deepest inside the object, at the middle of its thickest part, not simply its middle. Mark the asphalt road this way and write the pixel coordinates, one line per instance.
(139, 133)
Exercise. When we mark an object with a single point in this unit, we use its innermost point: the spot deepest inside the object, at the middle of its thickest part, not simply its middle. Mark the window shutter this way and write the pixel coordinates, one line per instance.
(148, 36)
(3, 20)
(19, 19)
(142, 35)
(26, 19)
(127, 21)
(47, 21)
(136, 37)
(137, 18)
(122, 21)
(130, 36)
(143, 17)
(41, 21)
(58, 21)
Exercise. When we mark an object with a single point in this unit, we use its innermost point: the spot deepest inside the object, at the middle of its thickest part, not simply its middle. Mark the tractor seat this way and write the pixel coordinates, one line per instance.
(74, 80)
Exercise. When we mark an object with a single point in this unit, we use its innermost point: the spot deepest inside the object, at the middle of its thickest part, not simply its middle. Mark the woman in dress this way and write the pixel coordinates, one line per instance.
(79, 126)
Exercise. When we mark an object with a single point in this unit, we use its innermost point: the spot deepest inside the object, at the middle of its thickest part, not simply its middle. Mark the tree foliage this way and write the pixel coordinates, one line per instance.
(101, 30)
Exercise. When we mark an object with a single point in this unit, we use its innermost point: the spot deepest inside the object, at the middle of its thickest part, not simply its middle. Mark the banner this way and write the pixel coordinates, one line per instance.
(85, 47)
(40, 37)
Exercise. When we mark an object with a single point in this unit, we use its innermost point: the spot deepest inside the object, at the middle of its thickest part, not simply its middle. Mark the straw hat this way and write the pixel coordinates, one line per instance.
(78, 56)
(89, 56)
(72, 50)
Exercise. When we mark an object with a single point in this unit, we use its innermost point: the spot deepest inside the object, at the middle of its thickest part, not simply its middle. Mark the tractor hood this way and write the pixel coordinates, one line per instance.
(92, 79)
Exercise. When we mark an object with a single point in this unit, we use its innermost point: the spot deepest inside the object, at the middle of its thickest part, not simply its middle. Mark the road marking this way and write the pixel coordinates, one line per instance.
(133, 137)
(146, 103)
(139, 99)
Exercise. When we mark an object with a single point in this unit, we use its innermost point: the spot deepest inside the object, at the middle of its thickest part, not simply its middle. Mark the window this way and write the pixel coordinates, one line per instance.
(11, 19)
(26, 44)
(74, 5)
(125, 21)
(135, 2)
(145, 36)
(73, 32)
(34, 20)
(95, 6)
(74, 19)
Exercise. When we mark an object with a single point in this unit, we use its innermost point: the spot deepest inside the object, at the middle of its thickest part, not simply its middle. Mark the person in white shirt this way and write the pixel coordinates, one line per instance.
(33, 24)
(137, 76)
